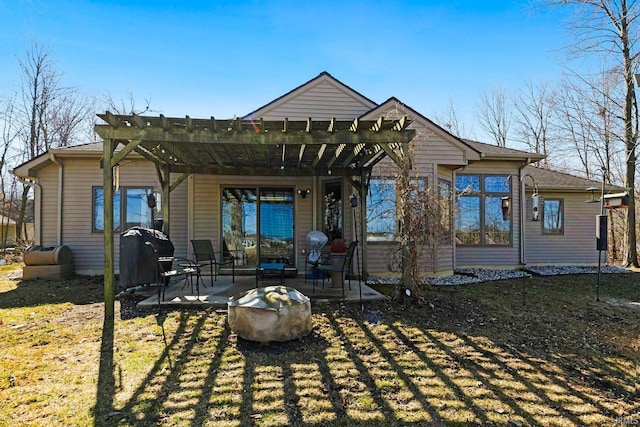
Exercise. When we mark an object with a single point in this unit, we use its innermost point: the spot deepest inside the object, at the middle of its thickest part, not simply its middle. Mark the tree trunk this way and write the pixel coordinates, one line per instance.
(23, 211)
(631, 258)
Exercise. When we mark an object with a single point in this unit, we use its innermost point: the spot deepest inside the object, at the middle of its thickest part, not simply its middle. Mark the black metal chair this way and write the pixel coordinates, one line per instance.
(204, 253)
(345, 267)
(311, 265)
(165, 270)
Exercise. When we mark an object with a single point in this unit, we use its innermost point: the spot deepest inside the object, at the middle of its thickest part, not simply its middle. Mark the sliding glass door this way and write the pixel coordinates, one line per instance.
(276, 225)
(240, 224)
(258, 224)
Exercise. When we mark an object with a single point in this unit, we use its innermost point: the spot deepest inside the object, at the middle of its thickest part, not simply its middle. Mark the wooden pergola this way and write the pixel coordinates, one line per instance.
(247, 147)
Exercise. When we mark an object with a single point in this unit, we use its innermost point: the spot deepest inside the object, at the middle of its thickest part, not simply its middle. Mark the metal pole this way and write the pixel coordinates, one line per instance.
(599, 250)
(354, 203)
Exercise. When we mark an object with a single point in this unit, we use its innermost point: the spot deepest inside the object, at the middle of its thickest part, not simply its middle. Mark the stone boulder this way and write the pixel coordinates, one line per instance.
(272, 313)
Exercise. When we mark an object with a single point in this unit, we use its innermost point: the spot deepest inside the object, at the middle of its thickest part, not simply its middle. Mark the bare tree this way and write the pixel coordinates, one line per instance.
(607, 29)
(494, 114)
(416, 216)
(450, 121)
(534, 107)
(47, 115)
(127, 106)
(7, 141)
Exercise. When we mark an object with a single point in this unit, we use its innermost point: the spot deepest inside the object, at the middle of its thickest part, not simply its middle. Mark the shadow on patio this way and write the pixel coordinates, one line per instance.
(216, 293)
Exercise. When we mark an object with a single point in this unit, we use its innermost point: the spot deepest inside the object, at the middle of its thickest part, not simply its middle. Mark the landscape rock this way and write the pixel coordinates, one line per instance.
(273, 313)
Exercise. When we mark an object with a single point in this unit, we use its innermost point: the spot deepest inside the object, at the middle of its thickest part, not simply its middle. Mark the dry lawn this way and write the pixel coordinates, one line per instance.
(469, 355)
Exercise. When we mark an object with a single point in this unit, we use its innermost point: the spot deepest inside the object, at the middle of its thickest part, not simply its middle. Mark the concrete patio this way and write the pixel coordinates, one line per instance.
(216, 293)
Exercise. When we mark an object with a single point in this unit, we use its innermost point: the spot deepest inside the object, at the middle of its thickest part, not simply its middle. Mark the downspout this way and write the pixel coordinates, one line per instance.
(57, 162)
(37, 214)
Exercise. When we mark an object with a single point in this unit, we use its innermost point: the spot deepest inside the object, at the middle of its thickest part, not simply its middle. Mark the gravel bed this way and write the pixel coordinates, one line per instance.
(554, 271)
(477, 275)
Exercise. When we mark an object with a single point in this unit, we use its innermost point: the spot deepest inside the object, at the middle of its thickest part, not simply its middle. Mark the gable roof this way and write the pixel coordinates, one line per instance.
(322, 93)
(29, 168)
(393, 103)
(493, 152)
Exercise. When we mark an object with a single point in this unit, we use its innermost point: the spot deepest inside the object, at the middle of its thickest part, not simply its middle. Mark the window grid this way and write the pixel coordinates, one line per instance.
(130, 210)
(479, 219)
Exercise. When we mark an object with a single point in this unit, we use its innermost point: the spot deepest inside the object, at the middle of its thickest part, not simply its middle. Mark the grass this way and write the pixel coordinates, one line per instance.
(538, 351)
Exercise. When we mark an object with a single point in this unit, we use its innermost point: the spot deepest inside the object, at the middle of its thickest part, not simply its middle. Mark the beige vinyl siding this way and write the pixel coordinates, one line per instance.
(577, 246)
(321, 101)
(303, 217)
(495, 255)
(80, 176)
(206, 208)
(179, 230)
(431, 143)
(48, 179)
(382, 256)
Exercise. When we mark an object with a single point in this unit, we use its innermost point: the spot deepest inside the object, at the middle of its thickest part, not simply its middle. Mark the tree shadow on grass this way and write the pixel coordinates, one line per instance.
(385, 367)
(77, 290)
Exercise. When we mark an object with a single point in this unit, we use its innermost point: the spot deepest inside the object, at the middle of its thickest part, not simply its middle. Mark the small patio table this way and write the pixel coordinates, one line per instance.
(190, 269)
(270, 269)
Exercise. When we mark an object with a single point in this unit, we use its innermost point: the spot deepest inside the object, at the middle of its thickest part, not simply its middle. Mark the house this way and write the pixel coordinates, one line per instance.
(256, 185)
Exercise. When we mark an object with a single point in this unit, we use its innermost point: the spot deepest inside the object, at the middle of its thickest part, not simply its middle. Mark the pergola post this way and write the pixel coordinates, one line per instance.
(107, 172)
(364, 190)
(166, 200)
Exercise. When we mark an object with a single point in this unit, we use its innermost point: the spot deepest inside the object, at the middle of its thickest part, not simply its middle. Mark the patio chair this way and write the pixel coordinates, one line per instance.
(341, 269)
(204, 254)
(165, 270)
(311, 263)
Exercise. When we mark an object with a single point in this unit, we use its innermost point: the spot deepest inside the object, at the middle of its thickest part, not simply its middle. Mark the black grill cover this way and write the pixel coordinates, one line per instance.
(137, 261)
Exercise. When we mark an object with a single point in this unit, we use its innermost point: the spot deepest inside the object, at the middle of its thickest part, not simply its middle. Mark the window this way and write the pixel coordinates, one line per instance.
(130, 210)
(381, 210)
(552, 216)
(479, 217)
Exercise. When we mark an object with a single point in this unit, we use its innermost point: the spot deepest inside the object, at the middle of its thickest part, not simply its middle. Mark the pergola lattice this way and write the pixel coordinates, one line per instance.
(242, 147)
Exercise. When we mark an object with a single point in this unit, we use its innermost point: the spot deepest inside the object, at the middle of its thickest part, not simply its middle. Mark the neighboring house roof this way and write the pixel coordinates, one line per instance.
(4, 220)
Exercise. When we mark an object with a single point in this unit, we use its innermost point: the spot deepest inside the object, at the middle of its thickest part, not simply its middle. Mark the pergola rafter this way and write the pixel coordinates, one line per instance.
(247, 147)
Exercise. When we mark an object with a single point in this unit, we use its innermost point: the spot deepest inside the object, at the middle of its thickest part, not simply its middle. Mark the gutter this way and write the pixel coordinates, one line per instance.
(58, 162)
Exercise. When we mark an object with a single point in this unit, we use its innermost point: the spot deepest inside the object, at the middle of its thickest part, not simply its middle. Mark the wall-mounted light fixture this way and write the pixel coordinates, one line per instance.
(304, 193)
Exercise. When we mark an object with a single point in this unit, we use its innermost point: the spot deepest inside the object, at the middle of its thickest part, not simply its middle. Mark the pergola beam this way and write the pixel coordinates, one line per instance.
(267, 138)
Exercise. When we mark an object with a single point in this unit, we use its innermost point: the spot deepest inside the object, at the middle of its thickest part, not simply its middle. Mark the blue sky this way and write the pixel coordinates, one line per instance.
(220, 58)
